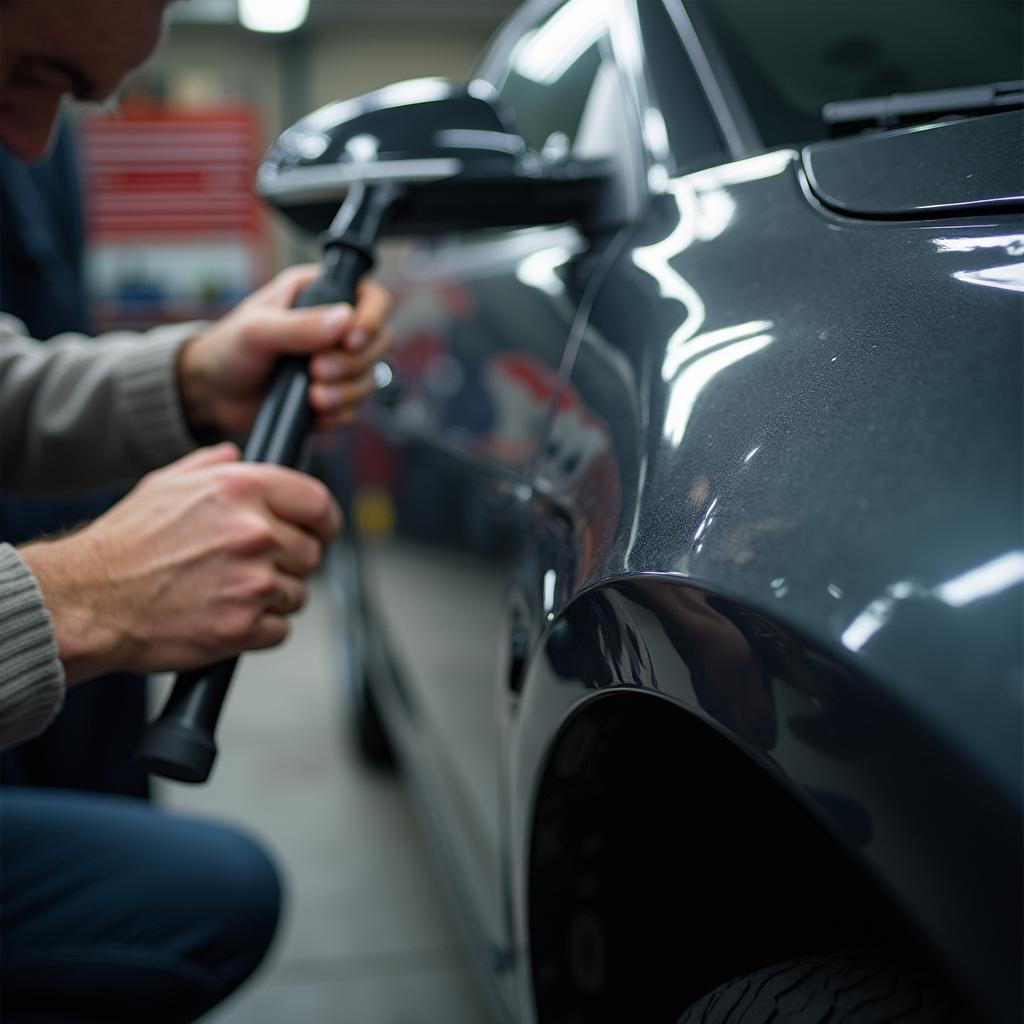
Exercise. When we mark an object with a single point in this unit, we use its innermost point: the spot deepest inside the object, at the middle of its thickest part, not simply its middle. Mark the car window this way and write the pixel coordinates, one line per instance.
(554, 82)
(694, 138)
(791, 57)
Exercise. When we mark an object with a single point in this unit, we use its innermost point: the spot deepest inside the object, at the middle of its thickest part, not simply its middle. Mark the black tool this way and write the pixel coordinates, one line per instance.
(180, 743)
(416, 158)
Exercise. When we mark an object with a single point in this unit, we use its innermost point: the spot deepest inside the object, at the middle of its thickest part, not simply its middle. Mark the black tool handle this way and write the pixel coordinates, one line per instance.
(180, 743)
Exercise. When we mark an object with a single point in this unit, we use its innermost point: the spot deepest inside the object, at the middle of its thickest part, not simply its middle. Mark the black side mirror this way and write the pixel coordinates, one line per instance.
(453, 150)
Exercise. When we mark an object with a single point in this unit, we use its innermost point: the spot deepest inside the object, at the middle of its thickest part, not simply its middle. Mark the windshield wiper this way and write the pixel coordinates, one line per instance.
(844, 117)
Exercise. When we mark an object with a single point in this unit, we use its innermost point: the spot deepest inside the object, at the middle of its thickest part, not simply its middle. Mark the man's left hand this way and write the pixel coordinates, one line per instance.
(224, 372)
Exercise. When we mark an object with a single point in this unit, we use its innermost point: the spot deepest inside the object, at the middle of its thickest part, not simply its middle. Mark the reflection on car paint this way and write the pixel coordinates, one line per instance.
(783, 698)
(1009, 277)
(1013, 244)
(699, 367)
(576, 461)
(538, 269)
(991, 578)
(705, 210)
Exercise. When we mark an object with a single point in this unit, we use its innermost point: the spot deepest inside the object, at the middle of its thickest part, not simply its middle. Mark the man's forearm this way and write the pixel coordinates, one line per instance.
(79, 412)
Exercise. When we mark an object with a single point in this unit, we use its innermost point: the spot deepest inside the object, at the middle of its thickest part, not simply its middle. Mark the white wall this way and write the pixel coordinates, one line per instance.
(285, 77)
(348, 63)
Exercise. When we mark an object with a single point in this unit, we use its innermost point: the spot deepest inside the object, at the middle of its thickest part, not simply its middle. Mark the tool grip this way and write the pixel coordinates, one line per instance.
(180, 743)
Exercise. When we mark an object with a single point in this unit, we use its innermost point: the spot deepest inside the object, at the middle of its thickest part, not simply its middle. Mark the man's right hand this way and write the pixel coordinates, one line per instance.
(202, 560)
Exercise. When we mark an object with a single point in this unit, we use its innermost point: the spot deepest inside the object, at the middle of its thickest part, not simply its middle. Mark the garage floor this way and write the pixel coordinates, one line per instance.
(367, 937)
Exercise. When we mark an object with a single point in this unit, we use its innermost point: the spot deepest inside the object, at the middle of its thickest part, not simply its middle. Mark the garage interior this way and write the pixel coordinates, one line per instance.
(368, 935)
(371, 933)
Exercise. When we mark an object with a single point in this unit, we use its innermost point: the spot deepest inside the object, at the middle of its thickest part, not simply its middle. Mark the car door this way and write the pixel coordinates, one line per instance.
(441, 501)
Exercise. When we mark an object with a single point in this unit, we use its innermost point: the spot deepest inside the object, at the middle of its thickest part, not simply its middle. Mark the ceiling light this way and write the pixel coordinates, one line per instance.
(272, 15)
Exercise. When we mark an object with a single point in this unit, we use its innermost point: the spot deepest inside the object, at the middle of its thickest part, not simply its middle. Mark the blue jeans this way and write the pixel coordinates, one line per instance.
(112, 911)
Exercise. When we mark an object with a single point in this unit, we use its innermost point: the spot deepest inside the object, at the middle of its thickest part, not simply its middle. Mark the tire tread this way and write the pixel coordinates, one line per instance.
(840, 989)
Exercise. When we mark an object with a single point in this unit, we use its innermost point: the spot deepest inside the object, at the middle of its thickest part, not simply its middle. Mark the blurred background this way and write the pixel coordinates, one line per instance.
(173, 231)
(144, 213)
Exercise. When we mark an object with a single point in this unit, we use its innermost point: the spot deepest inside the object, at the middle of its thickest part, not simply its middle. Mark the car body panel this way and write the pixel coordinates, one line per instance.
(919, 820)
(801, 440)
(787, 437)
(481, 339)
(956, 167)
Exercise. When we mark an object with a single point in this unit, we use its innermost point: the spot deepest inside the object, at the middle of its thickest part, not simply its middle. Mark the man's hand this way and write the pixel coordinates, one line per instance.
(202, 560)
(225, 371)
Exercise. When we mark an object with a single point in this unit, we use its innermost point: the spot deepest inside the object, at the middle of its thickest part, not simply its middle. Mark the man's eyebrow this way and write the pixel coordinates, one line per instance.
(82, 86)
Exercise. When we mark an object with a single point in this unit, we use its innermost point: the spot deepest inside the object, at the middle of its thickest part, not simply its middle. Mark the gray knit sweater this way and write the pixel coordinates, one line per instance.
(74, 413)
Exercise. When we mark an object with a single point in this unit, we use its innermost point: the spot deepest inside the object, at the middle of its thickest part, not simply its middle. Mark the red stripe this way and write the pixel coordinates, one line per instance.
(158, 175)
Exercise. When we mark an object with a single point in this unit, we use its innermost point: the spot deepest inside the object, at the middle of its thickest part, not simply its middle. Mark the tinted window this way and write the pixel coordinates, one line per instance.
(791, 57)
(553, 76)
(693, 135)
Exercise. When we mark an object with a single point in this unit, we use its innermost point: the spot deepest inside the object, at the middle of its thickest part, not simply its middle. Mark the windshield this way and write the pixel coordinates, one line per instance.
(791, 57)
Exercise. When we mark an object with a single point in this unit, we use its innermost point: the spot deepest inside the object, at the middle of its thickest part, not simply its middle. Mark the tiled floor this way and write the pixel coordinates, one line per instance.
(367, 938)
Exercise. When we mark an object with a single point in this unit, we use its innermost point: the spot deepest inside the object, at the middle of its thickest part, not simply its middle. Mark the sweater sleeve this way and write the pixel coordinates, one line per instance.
(31, 675)
(79, 412)
(74, 413)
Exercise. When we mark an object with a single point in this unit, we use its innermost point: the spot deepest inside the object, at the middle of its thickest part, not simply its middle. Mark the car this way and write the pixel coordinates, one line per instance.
(684, 571)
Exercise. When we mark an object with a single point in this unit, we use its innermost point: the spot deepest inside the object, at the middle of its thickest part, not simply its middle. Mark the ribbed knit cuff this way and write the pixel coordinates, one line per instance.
(148, 405)
(31, 675)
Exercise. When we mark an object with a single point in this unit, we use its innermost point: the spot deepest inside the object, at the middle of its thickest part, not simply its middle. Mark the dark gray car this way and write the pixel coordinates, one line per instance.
(685, 565)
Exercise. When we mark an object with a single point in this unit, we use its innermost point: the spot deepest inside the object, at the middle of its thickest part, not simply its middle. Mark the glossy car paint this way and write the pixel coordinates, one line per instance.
(457, 447)
(957, 167)
(836, 454)
(746, 460)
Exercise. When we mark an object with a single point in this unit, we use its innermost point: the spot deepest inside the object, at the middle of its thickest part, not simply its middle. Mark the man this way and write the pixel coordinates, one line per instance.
(91, 744)
(110, 911)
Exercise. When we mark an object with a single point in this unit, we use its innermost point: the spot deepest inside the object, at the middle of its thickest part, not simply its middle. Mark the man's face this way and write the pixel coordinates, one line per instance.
(52, 47)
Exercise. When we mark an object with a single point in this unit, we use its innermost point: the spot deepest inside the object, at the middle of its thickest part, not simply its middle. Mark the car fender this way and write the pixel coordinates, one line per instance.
(902, 804)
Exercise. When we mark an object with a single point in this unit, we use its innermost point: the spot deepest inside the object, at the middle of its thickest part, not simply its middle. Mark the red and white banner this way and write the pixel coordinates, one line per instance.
(164, 175)
(173, 221)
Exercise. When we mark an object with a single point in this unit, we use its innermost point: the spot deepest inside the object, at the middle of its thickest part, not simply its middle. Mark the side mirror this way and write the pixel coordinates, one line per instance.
(451, 150)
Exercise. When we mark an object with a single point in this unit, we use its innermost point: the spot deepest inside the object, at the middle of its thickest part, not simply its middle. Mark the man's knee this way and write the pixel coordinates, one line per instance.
(162, 904)
(236, 892)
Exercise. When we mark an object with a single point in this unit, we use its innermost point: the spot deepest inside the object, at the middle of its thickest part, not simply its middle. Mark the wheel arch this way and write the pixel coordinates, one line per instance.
(660, 850)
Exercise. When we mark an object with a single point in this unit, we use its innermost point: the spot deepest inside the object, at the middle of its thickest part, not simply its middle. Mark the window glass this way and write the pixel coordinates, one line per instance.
(693, 136)
(791, 57)
(553, 81)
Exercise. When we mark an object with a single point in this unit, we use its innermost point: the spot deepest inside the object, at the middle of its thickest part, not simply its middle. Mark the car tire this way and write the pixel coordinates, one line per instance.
(363, 720)
(840, 989)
